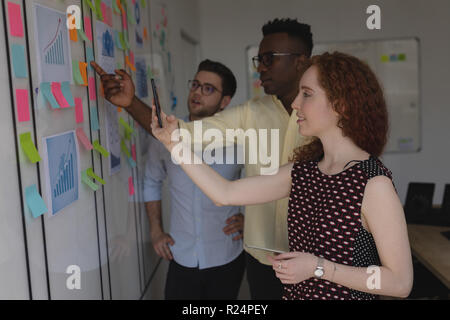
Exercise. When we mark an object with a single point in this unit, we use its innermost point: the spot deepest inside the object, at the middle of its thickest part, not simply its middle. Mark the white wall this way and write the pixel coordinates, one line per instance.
(228, 27)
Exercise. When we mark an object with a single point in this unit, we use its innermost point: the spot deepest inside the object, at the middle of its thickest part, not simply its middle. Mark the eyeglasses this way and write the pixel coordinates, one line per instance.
(207, 89)
(267, 58)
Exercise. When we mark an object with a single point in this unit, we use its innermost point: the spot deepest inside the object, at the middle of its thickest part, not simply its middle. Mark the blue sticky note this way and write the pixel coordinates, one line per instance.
(19, 61)
(65, 88)
(46, 91)
(131, 162)
(35, 202)
(89, 56)
(94, 119)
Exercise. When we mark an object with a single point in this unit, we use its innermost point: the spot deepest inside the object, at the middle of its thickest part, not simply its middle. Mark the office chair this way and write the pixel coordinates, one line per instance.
(419, 199)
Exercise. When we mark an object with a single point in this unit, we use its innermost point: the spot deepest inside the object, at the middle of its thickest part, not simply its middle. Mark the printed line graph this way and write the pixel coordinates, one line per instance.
(65, 176)
(54, 51)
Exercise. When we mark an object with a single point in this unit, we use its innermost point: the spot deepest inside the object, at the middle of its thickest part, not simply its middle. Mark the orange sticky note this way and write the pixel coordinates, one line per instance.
(73, 33)
(79, 117)
(128, 62)
(145, 34)
(119, 109)
(83, 72)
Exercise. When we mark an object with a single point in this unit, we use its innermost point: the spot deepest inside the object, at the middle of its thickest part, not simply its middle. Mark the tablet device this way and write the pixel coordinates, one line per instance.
(157, 105)
(265, 249)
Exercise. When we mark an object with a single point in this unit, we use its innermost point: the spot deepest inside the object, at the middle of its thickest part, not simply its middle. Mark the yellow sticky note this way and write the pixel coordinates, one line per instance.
(97, 146)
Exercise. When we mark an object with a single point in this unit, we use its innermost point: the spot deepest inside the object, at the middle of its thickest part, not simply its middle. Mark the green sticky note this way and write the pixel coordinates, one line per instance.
(19, 61)
(82, 35)
(130, 16)
(46, 91)
(29, 148)
(384, 58)
(144, 3)
(97, 146)
(98, 9)
(77, 78)
(117, 40)
(115, 7)
(125, 125)
(124, 148)
(90, 173)
(35, 201)
(88, 182)
(402, 57)
(122, 41)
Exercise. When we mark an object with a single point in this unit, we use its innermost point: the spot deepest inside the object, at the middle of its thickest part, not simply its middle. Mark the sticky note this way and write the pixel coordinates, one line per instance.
(115, 7)
(83, 139)
(131, 162)
(19, 61)
(29, 148)
(128, 62)
(132, 57)
(15, 20)
(402, 57)
(145, 33)
(57, 93)
(98, 10)
(90, 173)
(130, 186)
(79, 117)
(86, 180)
(144, 3)
(48, 95)
(94, 119)
(124, 148)
(89, 56)
(92, 92)
(125, 125)
(22, 105)
(133, 152)
(83, 73)
(82, 35)
(107, 14)
(97, 146)
(124, 19)
(130, 16)
(122, 41)
(88, 27)
(119, 4)
(117, 40)
(77, 78)
(65, 88)
(35, 201)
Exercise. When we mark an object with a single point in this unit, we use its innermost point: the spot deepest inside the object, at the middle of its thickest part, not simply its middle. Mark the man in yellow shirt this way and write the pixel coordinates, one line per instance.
(283, 53)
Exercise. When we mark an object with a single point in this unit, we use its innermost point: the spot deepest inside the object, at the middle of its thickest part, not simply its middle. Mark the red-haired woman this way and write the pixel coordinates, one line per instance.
(347, 232)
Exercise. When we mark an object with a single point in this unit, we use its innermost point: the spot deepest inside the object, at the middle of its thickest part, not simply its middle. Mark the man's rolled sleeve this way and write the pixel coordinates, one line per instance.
(155, 172)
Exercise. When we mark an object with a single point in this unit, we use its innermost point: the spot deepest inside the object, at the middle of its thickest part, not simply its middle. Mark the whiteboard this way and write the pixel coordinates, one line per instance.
(105, 232)
(396, 64)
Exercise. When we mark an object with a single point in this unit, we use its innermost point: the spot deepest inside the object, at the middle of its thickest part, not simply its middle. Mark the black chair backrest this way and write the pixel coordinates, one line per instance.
(419, 199)
(446, 200)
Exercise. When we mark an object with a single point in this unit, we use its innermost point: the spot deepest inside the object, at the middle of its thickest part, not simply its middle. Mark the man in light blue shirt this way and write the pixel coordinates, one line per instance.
(204, 242)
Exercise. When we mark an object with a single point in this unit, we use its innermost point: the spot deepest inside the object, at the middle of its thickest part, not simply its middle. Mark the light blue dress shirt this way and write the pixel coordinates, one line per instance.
(196, 223)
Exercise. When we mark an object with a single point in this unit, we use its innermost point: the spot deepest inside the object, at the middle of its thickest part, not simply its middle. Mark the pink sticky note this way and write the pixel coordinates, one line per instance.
(130, 186)
(79, 110)
(133, 152)
(15, 20)
(88, 27)
(92, 93)
(23, 107)
(57, 93)
(107, 14)
(84, 139)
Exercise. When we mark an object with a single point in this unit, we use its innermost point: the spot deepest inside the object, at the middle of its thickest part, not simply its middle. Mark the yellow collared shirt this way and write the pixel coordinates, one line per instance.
(265, 224)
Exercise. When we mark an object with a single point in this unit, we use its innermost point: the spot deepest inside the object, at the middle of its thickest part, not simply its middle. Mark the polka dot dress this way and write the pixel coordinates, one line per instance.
(325, 219)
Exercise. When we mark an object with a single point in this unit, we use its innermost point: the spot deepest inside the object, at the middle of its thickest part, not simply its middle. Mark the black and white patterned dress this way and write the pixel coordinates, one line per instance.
(325, 219)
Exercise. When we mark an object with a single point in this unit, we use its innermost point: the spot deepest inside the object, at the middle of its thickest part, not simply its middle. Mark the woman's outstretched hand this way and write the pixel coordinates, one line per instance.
(164, 134)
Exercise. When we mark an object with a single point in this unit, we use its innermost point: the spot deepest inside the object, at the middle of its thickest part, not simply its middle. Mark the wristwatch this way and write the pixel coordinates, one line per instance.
(319, 272)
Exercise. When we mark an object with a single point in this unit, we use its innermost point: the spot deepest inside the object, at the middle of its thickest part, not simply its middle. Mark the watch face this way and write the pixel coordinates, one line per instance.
(318, 273)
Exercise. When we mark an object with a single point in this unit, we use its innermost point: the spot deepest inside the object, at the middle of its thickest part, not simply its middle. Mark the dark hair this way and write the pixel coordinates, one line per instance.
(228, 80)
(356, 95)
(293, 28)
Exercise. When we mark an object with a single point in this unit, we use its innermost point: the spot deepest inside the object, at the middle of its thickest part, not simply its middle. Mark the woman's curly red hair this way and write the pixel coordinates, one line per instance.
(356, 95)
